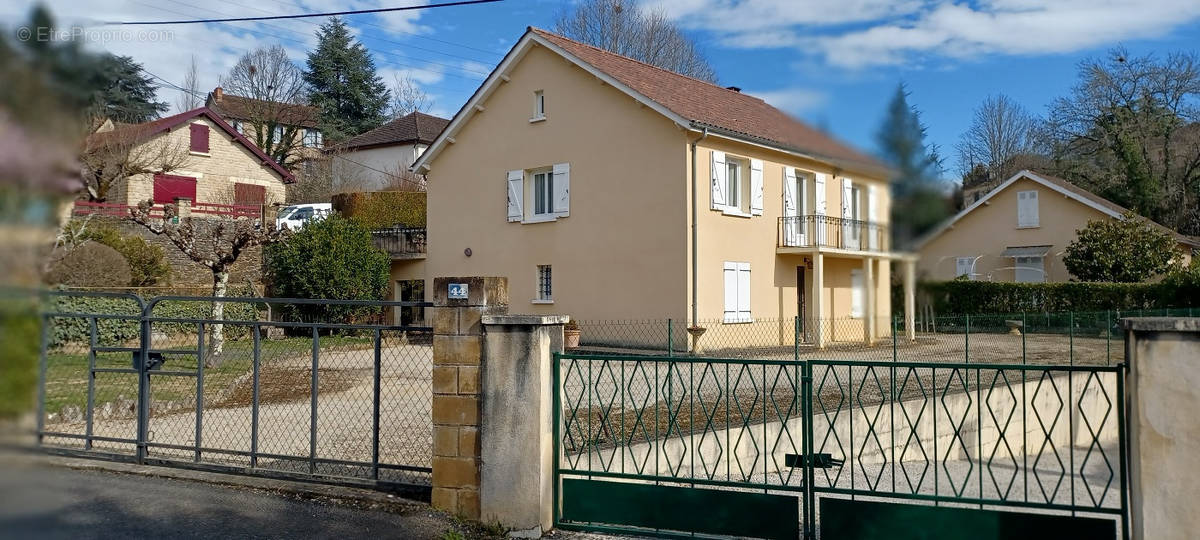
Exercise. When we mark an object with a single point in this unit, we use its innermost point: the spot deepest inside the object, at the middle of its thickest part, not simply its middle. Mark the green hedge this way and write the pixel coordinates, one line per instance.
(984, 297)
(18, 357)
(109, 332)
(383, 209)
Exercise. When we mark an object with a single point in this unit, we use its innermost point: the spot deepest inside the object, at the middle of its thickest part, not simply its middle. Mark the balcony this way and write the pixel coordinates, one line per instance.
(815, 232)
(401, 242)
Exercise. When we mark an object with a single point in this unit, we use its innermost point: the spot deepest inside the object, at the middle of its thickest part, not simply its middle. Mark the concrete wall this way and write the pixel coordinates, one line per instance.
(216, 173)
(1164, 450)
(621, 252)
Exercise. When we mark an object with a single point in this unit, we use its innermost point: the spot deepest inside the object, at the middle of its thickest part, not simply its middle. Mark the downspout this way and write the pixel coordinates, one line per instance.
(695, 237)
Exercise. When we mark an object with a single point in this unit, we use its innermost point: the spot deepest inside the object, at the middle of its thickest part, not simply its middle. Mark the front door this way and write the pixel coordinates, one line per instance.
(801, 309)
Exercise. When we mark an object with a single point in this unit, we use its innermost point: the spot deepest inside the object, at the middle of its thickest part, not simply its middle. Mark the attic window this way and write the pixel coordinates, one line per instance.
(539, 106)
(198, 141)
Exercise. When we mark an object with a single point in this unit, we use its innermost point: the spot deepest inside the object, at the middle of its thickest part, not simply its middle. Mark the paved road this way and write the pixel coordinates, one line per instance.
(53, 502)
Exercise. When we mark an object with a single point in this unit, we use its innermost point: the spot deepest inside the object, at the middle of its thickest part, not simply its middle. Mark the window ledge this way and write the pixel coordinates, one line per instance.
(202, 154)
(541, 302)
(738, 321)
(735, 213)
(537, 119)
(1019, 227)
(541, 219)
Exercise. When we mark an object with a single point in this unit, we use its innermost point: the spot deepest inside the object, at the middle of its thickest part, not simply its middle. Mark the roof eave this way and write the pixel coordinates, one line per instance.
(870, 169)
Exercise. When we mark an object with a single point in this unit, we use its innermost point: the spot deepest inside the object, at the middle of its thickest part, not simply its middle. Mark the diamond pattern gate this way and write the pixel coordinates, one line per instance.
(784, 448)
(306, 389)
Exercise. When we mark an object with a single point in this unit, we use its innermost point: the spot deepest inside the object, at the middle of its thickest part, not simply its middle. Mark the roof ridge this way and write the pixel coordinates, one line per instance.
(652, 66)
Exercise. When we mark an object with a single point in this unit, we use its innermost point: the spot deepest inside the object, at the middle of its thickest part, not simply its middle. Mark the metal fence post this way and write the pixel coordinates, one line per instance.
(1024, 330)
(895, 327)
(1071, 339)
(375, 410)
(256, 361)
(143, 413)
(41, 388)
(312, 425)
(967, 340)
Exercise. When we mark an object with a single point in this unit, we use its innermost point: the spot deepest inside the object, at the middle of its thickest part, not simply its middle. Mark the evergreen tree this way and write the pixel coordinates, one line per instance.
(343, 84)
(98, 84)
(918, 201)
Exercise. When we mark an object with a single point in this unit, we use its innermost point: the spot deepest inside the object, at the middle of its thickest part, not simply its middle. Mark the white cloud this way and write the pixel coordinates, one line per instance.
(862, 33)
(217, 47)
(796, 101)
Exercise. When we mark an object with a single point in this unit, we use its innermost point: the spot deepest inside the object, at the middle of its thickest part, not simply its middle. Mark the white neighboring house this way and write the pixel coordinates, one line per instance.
(379, 159)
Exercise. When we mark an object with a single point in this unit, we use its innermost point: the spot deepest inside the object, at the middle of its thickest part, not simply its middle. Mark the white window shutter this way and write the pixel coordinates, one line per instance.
(516, 184)
(718, 180)
(562, 189)
(819, 194)
(789, 192)
(847, 193)
(743, 291)
(1034, 219)
(1027, 209)
(756, 187)
(872, 217)
(1022, 209)
(731, 291)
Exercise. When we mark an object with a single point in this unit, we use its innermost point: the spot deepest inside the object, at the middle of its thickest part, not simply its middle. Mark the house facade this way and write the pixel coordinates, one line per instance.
(380, 159)
(1018, 232)
(217, 166)
(250, 117)
(605, 188)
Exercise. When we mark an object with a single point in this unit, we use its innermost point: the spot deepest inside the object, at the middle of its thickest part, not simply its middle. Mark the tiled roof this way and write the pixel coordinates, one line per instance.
(709, 105)
(140, 132)
(416, 127)
(239, 108)
(1067, 185)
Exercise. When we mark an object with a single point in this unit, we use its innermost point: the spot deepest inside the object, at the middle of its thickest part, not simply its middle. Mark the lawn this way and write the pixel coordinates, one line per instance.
(67, 374)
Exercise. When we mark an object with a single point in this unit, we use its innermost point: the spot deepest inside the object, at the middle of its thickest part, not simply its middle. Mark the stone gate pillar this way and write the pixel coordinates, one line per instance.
(458, 355)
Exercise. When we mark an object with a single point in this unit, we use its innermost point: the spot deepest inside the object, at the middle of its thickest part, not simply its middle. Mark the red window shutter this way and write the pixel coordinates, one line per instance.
(199, 140)
(168, 187)
(249, 194)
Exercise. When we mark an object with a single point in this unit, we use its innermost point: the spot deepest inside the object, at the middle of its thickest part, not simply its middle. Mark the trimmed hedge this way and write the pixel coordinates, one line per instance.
(961, 297)
(383, 209)
(19, 328)
(109, 332)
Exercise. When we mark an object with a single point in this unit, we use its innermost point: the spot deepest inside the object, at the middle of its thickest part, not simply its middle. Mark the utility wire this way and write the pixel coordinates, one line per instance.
(301, 15)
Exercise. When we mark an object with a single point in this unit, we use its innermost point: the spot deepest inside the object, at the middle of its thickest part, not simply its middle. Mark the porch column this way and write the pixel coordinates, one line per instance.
(818, 285)
(910, 299)
(869, 301)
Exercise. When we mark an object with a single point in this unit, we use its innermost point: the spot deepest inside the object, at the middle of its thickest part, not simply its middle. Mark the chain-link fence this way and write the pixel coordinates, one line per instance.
(1084, 337)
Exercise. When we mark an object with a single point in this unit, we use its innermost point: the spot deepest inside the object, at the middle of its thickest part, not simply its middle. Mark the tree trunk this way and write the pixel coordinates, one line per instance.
(217, 342)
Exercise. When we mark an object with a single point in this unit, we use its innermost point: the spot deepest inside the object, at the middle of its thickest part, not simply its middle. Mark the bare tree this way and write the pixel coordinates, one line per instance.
(407, 97)
(277, 106)
(1001, 132)
(189, 95)
(109, 158)
(315, 185)
(1130, 130)
(214, 242)
(622, 27)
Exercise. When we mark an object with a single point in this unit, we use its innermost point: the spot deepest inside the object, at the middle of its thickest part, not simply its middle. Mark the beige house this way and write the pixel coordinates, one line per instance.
(380, 159)
(249, 116)
(216, 166)
(605, 188)
(1018, 232)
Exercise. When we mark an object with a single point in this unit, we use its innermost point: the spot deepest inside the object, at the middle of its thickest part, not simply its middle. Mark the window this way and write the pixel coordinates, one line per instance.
(411, 290)
(964, 266)
(539, 195)
(237, 126)
(858, 292)
(1027, 209)
(737, 292)
(539, 105)
(198, 138)
(733, 183)
(278, 137)
(545, 285)
(1030, 270)
(312, 138)
(543, 193)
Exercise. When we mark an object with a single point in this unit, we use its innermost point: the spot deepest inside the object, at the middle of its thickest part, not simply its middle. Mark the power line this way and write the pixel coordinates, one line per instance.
(301, 15)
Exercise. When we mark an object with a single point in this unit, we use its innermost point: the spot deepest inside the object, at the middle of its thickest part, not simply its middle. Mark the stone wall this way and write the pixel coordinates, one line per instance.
(185, 271)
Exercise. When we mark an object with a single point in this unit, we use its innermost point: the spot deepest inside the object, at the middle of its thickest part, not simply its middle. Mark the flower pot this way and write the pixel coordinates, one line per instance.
(571, 338)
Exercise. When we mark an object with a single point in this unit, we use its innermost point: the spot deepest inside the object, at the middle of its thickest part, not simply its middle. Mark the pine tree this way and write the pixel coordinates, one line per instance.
(343, 84)
(918, 201)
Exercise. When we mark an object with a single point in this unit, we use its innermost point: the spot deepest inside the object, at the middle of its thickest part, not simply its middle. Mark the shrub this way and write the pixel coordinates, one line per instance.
(90, 264)
(65, 330)
(1179, 289)
(18, 357)
(335, 259)
(1126, 250)
(147, 264)
(383, 209)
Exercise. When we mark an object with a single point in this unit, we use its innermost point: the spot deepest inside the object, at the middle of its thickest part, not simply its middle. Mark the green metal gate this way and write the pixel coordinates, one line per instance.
(781, 448)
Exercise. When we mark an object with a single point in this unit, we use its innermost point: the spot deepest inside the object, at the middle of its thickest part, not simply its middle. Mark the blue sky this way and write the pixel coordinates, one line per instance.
(834, 64)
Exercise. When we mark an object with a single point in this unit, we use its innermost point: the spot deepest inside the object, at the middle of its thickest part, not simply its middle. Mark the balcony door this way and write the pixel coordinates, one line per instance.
(794, 195)
(852, 215)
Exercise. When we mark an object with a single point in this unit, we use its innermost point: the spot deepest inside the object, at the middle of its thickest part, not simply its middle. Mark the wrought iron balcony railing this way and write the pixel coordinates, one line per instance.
(813, 231)
(401, 242)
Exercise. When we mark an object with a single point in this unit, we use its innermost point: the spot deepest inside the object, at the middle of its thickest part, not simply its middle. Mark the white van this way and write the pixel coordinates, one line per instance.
(295, 216)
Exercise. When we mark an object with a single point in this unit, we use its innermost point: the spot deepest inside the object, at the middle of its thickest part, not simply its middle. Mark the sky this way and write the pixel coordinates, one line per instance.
(834, 64)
